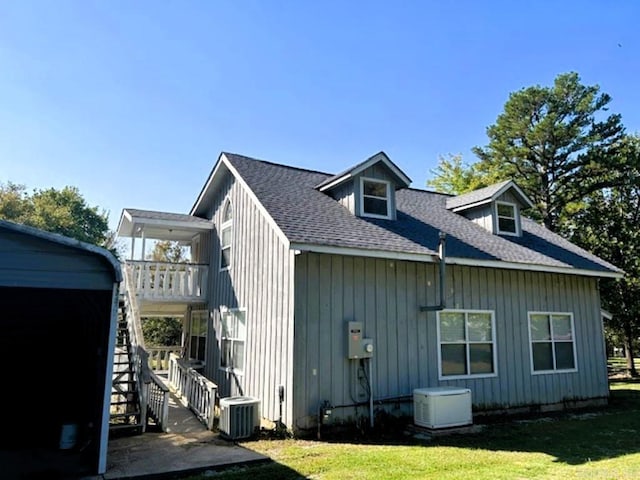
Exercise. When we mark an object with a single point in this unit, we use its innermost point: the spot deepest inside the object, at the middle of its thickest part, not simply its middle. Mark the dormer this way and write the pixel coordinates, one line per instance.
(495, 208)
(369, 188)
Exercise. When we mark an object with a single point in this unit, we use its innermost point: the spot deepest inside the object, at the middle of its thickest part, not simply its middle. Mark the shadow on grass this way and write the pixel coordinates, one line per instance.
(571, 437)
(262, 471)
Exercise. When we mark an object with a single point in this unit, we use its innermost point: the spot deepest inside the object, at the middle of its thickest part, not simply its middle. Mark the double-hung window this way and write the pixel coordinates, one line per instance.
(552, 342)
(226, 231)
(375, 197)
(232, 339)
(506, 218)
(198, 335)
(466, 343)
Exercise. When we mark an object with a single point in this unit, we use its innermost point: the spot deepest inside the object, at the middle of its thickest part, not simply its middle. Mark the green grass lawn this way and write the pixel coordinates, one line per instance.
(594, 444)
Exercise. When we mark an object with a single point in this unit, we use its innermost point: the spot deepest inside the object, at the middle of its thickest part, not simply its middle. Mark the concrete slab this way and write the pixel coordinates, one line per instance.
(154, 455)
(187, 447)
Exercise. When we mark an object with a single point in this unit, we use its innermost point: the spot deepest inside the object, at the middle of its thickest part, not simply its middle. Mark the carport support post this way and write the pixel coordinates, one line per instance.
(106, 402)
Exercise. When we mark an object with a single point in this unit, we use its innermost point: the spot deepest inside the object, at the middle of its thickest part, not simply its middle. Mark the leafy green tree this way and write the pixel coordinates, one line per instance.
(557, 144)
(162, 331)
(609, 226)
(168, 251)
(62, 211)
(454, 176)
(15, 205)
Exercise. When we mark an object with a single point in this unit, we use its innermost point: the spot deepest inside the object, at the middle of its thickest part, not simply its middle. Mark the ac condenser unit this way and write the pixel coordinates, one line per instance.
(442, 407)
(239, 417)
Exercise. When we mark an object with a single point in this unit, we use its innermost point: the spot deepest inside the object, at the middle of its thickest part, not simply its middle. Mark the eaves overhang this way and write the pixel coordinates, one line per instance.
(432, 257)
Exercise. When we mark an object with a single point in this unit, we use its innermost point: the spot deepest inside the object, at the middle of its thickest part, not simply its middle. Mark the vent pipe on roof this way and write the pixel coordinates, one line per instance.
(441, 255)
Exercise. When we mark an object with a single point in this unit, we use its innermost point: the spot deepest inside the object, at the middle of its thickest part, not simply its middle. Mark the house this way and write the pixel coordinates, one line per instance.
(352, 290)
(59, 299)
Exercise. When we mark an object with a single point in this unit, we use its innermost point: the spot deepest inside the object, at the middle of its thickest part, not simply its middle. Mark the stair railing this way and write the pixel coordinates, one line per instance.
(154, 395)
(194, 389)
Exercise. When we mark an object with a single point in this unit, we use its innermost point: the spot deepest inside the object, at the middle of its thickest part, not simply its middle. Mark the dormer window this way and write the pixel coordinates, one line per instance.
(495, 208)
(506, 218)
(375, 196)
(368, 189)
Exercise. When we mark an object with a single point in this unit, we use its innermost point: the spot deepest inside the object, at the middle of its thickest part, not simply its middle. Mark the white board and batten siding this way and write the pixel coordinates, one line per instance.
(386, 296)
(260, 282)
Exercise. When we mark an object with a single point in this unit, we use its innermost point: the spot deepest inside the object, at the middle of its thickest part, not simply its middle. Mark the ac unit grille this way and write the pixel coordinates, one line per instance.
(239, 417)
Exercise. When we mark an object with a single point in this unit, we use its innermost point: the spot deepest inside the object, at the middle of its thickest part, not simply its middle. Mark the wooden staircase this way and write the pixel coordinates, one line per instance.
(126, 408)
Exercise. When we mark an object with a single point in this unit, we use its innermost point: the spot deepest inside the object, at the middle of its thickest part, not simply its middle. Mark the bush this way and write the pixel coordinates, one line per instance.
(162, 331)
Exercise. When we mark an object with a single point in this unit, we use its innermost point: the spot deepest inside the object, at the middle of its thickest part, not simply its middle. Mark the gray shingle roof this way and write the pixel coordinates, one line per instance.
(395, 170)
(307, 216)
(475, 196)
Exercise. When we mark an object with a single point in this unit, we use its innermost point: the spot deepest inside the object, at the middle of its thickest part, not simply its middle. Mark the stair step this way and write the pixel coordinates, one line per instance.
(113, 416)
(122, 382)
(123, 402)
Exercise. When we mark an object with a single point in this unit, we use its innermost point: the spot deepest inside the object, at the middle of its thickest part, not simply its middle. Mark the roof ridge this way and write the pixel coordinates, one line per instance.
(268, 162)
(422, 190)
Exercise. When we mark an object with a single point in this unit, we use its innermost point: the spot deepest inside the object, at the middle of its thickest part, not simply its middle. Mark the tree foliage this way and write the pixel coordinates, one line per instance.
(454, 176)
(161, 331)
(609, 226)
(62, 211)
(557, 144)
(169, 251)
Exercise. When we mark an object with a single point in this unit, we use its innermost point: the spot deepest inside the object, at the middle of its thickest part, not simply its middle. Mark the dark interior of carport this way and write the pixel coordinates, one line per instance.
(53, 352)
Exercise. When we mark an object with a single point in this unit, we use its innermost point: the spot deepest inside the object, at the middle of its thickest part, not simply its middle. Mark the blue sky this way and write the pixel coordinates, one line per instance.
(132, 102)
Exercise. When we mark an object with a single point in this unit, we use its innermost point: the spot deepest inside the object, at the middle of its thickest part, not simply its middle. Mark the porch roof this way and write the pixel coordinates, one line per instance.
(161, 225)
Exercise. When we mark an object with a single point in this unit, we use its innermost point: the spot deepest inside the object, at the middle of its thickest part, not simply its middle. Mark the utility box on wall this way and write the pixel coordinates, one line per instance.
(358, 347)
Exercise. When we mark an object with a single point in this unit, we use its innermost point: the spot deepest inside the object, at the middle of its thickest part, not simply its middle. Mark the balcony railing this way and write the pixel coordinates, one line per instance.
(165, 281)
(159, 357)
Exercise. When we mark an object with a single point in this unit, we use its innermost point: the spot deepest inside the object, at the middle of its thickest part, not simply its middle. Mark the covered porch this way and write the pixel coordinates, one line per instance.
(169, 287)
(165, 287)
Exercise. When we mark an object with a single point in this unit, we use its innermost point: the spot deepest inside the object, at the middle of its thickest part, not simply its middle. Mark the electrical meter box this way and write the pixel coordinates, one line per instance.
(358, 347)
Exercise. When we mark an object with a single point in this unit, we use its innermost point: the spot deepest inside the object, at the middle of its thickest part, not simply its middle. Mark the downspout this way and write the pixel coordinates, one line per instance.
(442, 264)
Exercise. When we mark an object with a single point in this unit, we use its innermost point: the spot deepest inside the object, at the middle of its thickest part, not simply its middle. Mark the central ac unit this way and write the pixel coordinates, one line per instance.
(442, 407)
(239, 417)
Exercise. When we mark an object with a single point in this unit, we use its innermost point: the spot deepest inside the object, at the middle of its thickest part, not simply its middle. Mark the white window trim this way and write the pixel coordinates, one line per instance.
(206, 337)
(235, 371)
(362, 195)
(553, 351)
(516, 218)
(466, 343)
(223, 226)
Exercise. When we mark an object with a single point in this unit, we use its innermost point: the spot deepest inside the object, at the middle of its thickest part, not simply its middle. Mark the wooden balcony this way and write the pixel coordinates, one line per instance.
(169, 282)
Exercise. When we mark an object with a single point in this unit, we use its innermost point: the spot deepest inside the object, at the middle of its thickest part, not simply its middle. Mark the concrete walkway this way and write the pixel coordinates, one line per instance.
(187, 448)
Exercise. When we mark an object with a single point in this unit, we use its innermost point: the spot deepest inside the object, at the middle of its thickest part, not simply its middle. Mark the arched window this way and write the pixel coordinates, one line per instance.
(226, 231)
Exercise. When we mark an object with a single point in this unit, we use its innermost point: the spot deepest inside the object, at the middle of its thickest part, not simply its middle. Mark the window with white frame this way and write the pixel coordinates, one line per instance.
(506, 218)
(466, 343)
(552, 342)
(232, 340)
(198, 335)
(375, 197)
(226, 231)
